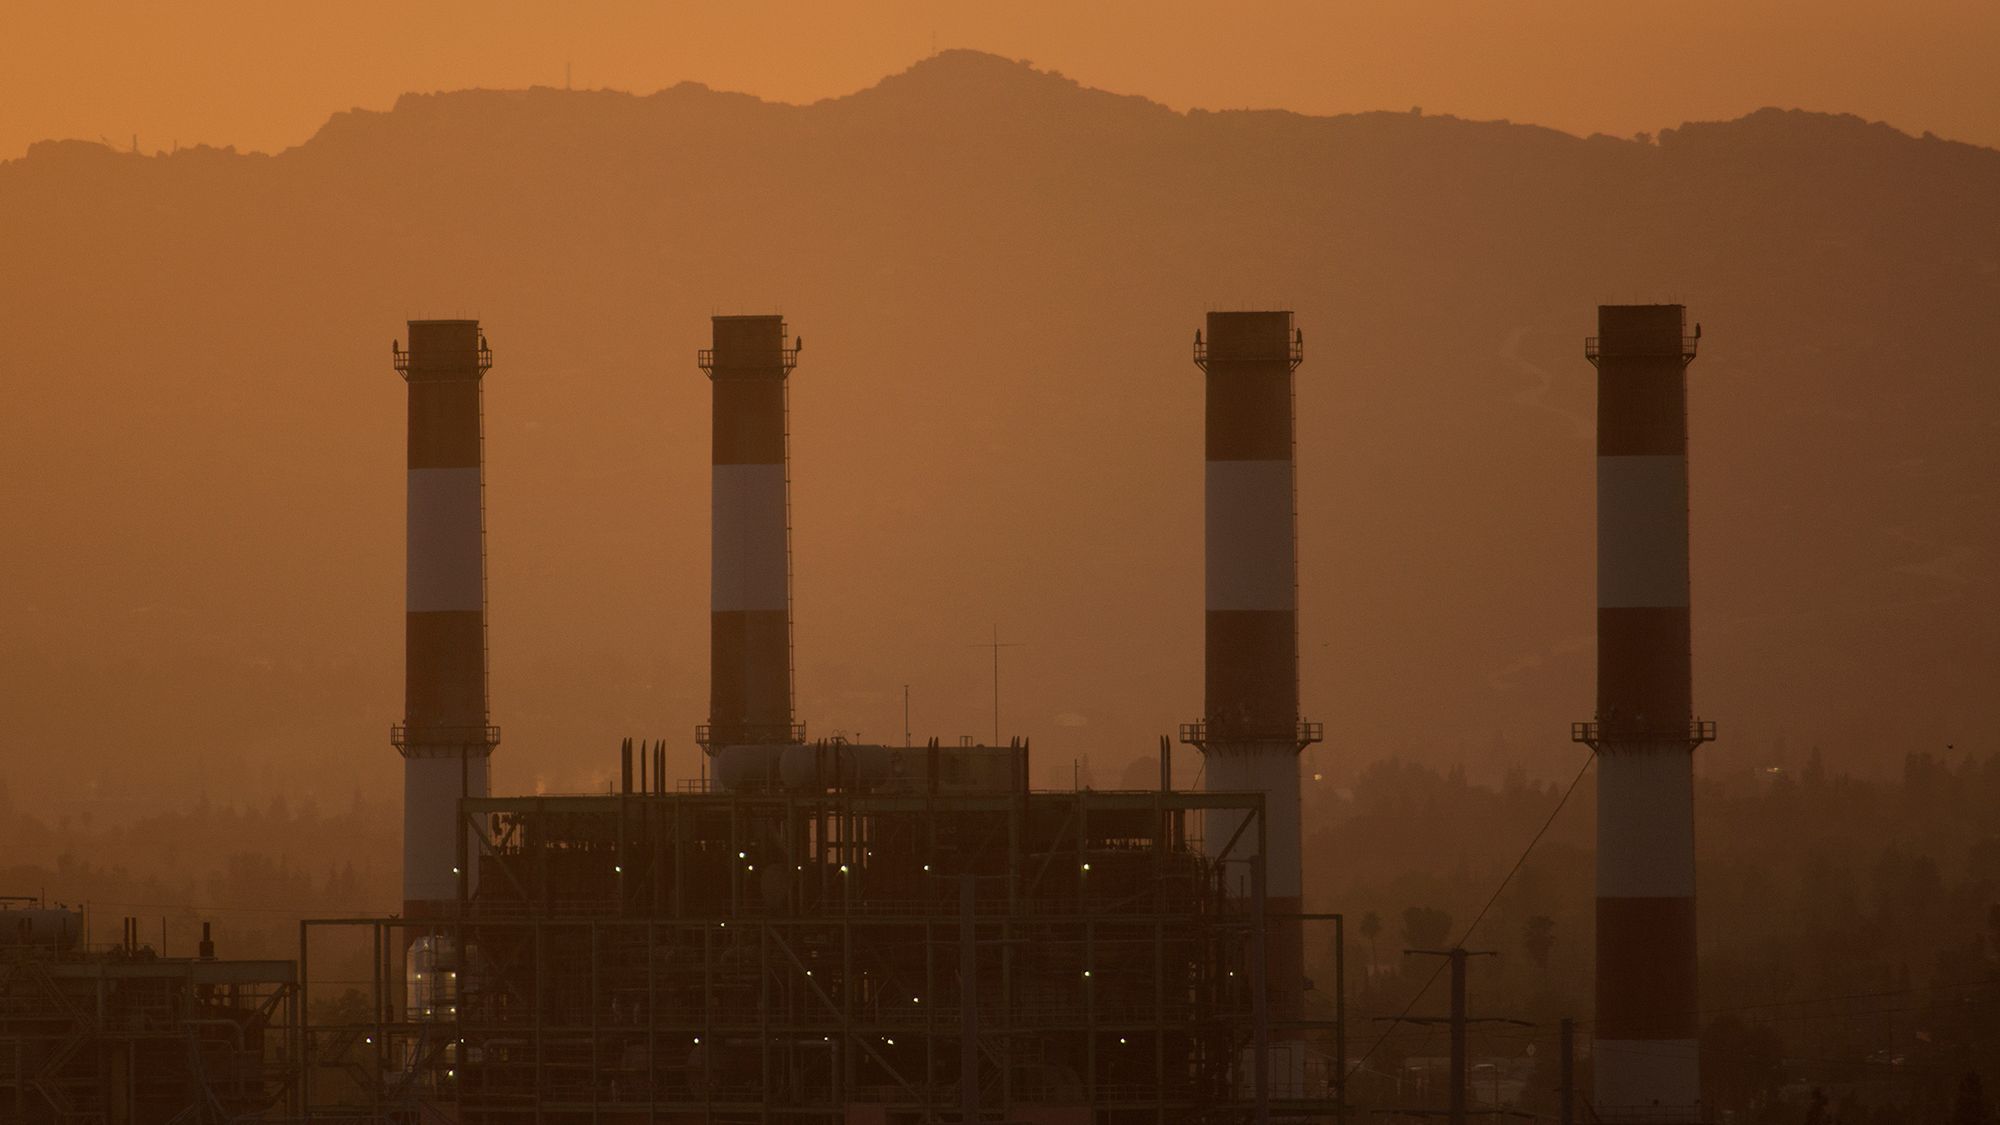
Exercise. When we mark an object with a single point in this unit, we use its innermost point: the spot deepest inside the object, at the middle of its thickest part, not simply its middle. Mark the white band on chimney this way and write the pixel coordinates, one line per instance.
(1645, 823)
(1249, 536)
(1642, 531)
(431, 789)
(748, 550)
(443, 557)
(1273, 771)
(1632, 1072)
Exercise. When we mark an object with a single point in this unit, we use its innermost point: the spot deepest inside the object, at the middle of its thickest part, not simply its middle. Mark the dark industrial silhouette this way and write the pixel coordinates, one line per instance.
(843, 930)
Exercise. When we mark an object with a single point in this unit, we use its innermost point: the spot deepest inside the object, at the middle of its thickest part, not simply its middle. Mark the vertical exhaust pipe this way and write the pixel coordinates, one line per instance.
(1644, 733)
(750, 611)
(1251, 734)
(445, 738)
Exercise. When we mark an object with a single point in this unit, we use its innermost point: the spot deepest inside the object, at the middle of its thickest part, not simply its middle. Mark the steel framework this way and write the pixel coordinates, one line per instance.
(830, 957)
(120, 1036)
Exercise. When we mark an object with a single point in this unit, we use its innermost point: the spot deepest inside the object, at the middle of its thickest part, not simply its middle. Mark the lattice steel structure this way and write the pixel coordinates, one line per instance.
(830, 957)
(123, 1036)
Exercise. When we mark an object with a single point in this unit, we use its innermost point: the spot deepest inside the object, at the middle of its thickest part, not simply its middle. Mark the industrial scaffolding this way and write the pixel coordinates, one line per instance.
(820, 956)
(121, 1036)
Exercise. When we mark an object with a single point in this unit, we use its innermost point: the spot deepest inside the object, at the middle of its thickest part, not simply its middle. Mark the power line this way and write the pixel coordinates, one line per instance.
(1480, 917)
(1539, 833)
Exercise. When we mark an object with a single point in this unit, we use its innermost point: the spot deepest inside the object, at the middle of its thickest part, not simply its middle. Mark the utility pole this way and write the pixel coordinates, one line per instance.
(1456, 1110)
(1459, 1074)
(1566, 1097)
(1339, 1018)
(968, 1002)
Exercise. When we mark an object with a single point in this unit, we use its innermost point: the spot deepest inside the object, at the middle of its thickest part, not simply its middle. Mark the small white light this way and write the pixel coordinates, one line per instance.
(697, 1039)
(1086, 972)
(1086, 867)
(617, 869)
(843, 869)
(890, 1042)
(753, 867)
(451, 1074)
(742, 855)
(1121, 1040)
(370, 1039)
(927, 867)
(454, 871)
(809, 972)
(916, 999)
(725, 926)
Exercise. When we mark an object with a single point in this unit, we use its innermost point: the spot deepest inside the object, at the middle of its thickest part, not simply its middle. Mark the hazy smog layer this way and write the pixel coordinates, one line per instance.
(996, 422)
(996, 437)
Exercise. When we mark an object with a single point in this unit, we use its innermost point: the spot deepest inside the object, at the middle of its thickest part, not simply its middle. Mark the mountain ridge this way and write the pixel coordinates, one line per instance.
(997, 420)
(988, 79)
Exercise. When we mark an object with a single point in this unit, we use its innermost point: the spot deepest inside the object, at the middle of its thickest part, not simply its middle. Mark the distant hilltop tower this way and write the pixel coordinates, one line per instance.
(1644, 733)
(1250, 735)
(445, 738)
(750, 603)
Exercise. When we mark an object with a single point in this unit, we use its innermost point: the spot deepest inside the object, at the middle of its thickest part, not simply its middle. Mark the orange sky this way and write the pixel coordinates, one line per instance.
(263, 75)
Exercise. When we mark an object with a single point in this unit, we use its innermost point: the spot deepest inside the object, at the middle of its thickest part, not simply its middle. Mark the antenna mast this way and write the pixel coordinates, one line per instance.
(996, 645)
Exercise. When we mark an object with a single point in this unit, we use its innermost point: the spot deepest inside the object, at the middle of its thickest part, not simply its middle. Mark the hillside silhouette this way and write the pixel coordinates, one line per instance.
(996, 422)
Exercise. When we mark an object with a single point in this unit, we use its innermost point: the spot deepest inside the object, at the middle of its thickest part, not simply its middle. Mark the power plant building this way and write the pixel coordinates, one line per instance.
(832, 932)
(824, 931)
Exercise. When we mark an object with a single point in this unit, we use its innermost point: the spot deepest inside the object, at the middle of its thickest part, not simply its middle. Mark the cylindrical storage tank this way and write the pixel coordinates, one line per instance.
(805, 768)
(1251, 734)
(745, 769)
(445, 737)
(750, 624)
(1646, 1051)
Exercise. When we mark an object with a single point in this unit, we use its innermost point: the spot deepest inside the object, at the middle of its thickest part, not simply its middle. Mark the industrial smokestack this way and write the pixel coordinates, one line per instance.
(750, 618)
(1645, 731)
(1251, 735)
(444, 737)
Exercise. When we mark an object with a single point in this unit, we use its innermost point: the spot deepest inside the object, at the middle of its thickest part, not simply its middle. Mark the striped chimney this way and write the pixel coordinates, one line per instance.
(750, 618)
(1645, 731)
(1251, 735)
(444, 737)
